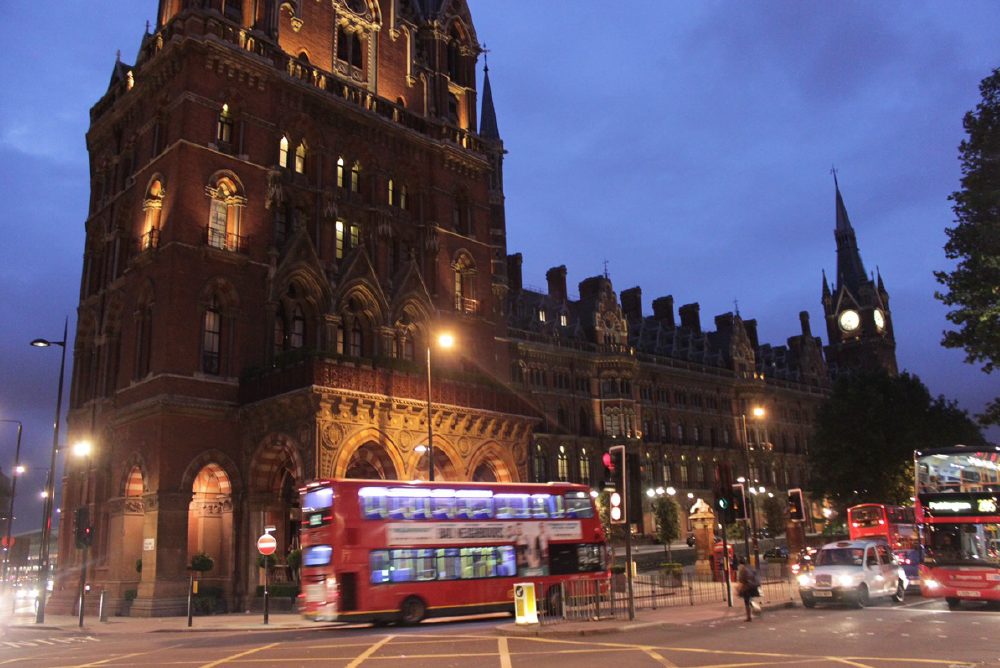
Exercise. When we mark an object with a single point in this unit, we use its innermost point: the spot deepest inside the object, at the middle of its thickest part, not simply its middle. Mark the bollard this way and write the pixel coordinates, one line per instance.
(102, 611)
(266, 593)
(190, 596)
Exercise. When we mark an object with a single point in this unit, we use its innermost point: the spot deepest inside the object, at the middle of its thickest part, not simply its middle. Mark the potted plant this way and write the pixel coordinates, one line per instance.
(201, 563)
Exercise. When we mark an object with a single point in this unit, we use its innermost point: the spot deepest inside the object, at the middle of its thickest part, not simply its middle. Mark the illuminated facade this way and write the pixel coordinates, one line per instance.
(287, 200)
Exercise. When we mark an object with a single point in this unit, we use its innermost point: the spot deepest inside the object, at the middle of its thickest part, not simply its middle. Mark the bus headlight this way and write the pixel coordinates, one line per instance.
(805, 580)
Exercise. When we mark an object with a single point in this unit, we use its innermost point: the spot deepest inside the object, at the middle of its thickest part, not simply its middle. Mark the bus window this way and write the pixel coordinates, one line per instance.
(512, 506)
(373, 507)
(317, 499)
(449, 566)
(507, 566)
(317, 555)
(557, 509)
(409, 507)
(378, 562)
(404, 566)
(443, 504)
(478, 562)
(538, 505)
(474, 504)
(578, 505)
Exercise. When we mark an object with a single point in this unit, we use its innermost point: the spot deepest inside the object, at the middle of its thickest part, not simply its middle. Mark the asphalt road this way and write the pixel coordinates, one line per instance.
(919, 633)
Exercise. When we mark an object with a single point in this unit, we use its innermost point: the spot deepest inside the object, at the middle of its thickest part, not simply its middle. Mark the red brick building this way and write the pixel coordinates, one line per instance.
(288, 200)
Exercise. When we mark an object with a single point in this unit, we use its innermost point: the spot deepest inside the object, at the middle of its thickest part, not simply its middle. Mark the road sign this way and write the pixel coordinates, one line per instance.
(266, 544)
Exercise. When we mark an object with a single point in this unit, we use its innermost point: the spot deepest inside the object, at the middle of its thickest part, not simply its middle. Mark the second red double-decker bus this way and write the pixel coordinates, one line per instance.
(958, 508)
(897, 525)
(385, 551)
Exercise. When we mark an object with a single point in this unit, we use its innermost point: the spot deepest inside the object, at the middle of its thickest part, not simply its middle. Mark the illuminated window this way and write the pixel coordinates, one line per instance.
(562, 464)
(300, 159)
(356, 177)
(667, 470)
(355, 236)
(283, 152)
(465, 296)
(392, 194)
(224, 126)
(684, 470)
(341, 334)
(225, 210)
(541, 315)
(563, 320)
(340, 172)
(584, 464)
(340, 239)
(539, 465)
(211, 339)
(402, 196)
(152, 207)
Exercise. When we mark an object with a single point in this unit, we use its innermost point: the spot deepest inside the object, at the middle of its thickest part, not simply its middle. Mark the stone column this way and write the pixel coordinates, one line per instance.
(164, 583)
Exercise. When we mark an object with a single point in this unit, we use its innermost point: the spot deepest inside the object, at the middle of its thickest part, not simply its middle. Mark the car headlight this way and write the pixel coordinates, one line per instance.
(846, 580)
(930, 584)
(805, 580)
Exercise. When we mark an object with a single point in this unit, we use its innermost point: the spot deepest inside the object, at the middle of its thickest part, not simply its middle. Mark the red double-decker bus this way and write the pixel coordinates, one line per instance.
(897, 525)
(958, 508)
(389, 551)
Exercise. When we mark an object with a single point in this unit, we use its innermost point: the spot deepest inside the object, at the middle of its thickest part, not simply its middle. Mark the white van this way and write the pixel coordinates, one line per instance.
(853, 572)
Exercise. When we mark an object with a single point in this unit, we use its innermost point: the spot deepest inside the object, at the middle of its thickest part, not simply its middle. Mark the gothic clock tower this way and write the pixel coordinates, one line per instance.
(858, 320)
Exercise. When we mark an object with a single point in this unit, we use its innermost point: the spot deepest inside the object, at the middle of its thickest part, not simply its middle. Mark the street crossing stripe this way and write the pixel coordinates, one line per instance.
(240, 655)
(504, 652)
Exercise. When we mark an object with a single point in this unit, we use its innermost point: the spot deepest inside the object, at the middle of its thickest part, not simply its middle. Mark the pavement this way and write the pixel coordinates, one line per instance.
(700, 613)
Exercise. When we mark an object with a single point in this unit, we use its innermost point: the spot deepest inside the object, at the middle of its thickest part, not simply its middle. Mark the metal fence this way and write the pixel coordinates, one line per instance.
(607, 598)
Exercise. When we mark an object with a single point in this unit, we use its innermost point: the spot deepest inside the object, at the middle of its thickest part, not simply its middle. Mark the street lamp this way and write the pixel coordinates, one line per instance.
(82, 449)
(758, 412)
(43, 559)
(444, 340)
(16, 471)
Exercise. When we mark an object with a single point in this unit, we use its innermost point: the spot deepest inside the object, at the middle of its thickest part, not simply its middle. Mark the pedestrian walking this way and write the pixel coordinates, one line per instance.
(749, 586)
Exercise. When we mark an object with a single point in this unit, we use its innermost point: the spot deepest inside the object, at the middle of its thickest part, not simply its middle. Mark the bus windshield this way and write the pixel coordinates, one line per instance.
(962, 544)
(973, 472)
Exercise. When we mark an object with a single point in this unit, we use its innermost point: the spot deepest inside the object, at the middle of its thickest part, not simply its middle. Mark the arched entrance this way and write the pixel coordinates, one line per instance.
(276, 474)
(371, 462)
(210, 520)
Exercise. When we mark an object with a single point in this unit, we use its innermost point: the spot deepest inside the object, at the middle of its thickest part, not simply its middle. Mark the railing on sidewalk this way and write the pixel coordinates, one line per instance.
(597, 599)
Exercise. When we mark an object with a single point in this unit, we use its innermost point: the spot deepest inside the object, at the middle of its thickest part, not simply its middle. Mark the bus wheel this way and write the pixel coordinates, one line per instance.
(952, 603)
(861, 598)
(413, 611)
(900, 592)
(553, 600)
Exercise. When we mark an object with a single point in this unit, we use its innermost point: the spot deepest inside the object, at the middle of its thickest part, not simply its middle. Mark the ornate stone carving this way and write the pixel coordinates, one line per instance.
(329, 204)
(275, 194)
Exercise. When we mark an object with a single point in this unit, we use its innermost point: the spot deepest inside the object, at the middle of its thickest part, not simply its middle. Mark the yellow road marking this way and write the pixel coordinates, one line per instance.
(504, 652)
(653, 654)
(116, 658)
(368, 652)
(227, 659)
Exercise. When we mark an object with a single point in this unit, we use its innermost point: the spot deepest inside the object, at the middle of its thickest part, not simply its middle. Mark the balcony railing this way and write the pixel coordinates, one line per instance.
(226, 240)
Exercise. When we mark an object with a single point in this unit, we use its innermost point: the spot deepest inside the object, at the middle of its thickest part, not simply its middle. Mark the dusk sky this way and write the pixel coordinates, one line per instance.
(688, 144)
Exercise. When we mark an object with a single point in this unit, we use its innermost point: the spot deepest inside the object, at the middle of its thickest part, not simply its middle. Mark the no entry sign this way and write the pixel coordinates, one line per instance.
(266, 544)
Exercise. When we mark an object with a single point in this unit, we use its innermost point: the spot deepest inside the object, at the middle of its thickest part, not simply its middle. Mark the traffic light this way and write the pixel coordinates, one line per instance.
(723, 493)
(724, 508)
(615, 463)
(739, 501)
(796, 505)
(84, 531)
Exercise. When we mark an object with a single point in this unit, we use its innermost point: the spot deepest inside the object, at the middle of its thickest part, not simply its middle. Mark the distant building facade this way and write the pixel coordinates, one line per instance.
(288, 201)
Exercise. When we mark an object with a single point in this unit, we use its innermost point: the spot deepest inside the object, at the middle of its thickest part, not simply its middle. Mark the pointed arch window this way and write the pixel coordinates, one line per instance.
(392, 193)
(465, 288)
(341, 336)
(340, 172)
(357, 340)
(211, 338)
(684, 470)
(297, 335)
(562, 464)
(584, 464)
(339, 241)
(300, 159)
(408, 348)
(152, 207)
(539, 465)
(666, 469)
(356, 177)
(283, 152)
(224, 127)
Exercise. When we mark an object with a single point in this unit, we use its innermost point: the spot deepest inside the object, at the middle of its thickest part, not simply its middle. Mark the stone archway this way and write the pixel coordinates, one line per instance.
(492, 463)
(210, 520)
(371, 461)
(275, 475)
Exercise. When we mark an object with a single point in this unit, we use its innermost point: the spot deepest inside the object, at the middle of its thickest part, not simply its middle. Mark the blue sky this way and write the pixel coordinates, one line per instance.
(688, 144)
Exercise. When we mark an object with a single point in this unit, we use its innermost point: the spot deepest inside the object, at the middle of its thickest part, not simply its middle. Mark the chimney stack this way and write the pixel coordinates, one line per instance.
(632, 304)
(663, 311)
(514, 272)
(556, 276)
(690, 317)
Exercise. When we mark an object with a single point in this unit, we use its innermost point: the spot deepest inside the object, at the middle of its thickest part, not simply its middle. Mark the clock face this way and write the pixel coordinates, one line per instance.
(879, 319)
(849, 320)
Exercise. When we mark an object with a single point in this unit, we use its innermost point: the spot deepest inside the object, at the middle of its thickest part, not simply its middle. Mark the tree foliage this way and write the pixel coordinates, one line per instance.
(973, 286)
(775, 514)
(862, 448)
(668, 523)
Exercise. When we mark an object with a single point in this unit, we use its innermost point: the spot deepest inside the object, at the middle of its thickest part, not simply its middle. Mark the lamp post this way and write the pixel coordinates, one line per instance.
(758, 412)
(16, 471)
(444, 341)
(43, 559)
(82, 449)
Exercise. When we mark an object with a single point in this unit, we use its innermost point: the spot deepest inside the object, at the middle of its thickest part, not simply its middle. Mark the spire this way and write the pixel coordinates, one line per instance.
(826, 286)
(488, 118)
(850, 269)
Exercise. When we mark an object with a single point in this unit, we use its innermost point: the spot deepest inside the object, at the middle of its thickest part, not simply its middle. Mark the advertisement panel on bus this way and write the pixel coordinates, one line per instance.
(957, 492)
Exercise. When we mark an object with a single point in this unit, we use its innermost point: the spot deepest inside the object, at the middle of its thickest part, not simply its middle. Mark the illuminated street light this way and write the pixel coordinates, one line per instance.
(757, 412)
(444, 340)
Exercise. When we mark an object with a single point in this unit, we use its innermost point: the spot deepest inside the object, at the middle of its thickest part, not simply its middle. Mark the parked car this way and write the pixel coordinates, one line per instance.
(853, 572)
(776, 552)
